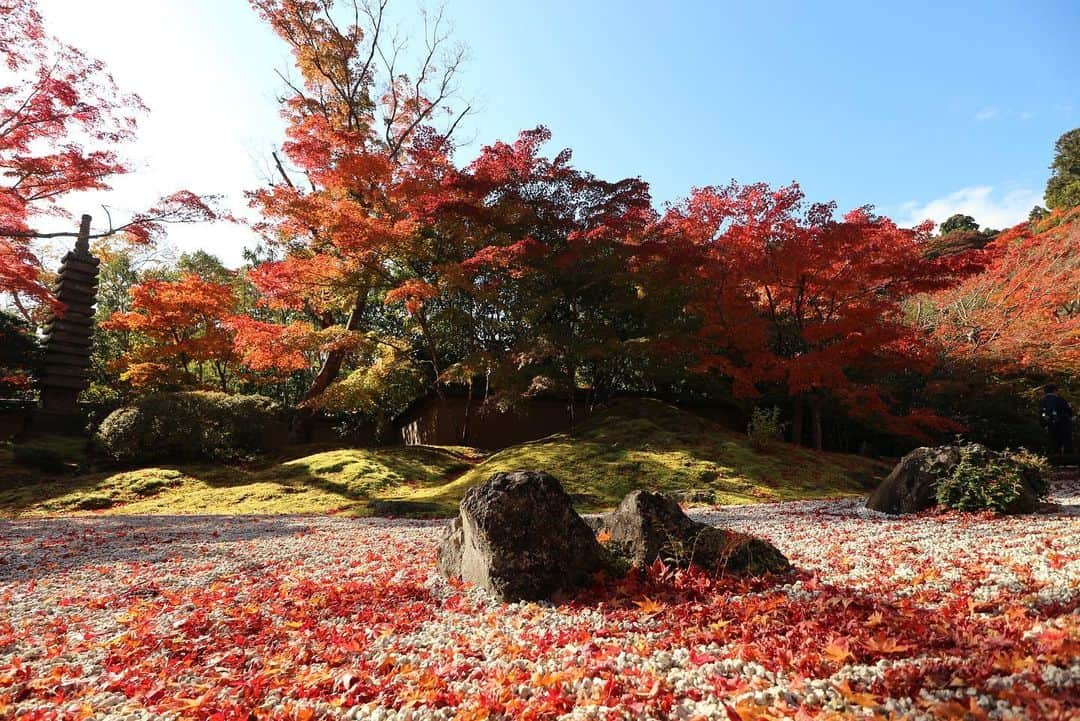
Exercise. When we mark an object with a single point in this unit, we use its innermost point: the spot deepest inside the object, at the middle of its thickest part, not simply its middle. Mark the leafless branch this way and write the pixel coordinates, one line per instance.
(281, 169)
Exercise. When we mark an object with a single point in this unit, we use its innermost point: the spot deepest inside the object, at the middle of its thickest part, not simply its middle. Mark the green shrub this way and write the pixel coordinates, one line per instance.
(989, 481)
(764, 428)
(197, 425)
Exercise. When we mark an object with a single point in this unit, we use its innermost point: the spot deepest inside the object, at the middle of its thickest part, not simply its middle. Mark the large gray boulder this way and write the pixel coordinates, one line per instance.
(912, 485)
(648, 526)
(518, 536)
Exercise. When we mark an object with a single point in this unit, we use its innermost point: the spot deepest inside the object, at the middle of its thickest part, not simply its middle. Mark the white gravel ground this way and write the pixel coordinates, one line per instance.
(301, 617)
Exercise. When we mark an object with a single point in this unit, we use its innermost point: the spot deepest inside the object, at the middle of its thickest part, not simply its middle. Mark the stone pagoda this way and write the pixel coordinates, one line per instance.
(67, 337)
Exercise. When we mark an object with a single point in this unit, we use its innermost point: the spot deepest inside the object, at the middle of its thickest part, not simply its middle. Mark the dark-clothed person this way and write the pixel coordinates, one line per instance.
(1056, 416)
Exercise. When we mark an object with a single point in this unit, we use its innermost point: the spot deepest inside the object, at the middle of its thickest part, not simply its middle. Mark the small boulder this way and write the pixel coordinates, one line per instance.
(649, 526)
(518, 536)
(912, 485)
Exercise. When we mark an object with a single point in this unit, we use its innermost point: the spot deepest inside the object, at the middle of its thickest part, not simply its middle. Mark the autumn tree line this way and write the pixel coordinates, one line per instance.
(388, 268)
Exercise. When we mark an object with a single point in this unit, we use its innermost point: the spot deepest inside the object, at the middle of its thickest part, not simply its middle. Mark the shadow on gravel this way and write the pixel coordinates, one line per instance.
(32, 548)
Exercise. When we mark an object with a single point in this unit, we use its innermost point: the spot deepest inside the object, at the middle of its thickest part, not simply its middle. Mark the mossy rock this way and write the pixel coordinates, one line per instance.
(95, 503)
(649, 527)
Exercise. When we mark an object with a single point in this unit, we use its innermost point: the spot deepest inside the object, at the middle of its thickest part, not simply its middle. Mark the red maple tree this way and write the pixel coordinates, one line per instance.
(789, 298)
(361, 137)
(61, 118)
(272, 349)
(544, 261)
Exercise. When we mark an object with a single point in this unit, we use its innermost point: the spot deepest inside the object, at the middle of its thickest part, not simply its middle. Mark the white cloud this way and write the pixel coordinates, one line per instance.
(989, 208)
(987, 113)
(206, 72)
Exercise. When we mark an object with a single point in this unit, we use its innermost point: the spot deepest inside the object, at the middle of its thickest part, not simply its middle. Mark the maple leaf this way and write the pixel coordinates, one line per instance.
(956, 711)
(732, 713)
(1013, 663)
(649, 606)
(838, 652)
(650, 692)
(885, 645)
(931, 574)
(858, 698)
(749, 711)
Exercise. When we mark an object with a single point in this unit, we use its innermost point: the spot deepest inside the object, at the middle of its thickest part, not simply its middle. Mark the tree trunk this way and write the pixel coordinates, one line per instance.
(334, 359)
(328, 372)
(797, 422)
(815, 420)
(468, 415)
(572, 373)
(433, 353)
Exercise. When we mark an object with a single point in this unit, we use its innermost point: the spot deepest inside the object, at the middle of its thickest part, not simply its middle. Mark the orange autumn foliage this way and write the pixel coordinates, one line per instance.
(1022, 314)
(361, 133)
(177, 326)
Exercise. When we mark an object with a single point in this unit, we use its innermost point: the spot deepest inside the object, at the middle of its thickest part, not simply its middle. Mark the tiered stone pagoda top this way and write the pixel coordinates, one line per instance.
(68, 336)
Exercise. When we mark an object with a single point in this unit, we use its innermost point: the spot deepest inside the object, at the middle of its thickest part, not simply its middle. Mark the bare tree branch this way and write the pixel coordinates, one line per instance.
(281, 169)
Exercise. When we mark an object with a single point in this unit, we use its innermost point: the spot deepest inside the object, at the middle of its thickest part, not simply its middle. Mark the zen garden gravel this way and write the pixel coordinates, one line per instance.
(937, 616)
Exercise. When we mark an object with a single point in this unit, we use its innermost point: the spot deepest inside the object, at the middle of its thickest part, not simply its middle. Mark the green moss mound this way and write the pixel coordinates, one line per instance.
(633, 444)
(320, 481)
(647, 444)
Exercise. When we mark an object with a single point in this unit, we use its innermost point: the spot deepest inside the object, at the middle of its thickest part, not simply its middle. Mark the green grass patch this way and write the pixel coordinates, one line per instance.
(633, 444)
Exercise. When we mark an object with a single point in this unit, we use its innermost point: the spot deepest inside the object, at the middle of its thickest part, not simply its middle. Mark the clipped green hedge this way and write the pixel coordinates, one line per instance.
(1003, 482)
(196, 425)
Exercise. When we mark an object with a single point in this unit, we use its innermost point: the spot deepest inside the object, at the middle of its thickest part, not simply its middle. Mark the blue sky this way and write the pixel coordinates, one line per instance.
(922, 109)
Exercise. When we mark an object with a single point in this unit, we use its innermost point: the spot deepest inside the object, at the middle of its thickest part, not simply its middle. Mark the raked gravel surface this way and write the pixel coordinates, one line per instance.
(926, 617)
